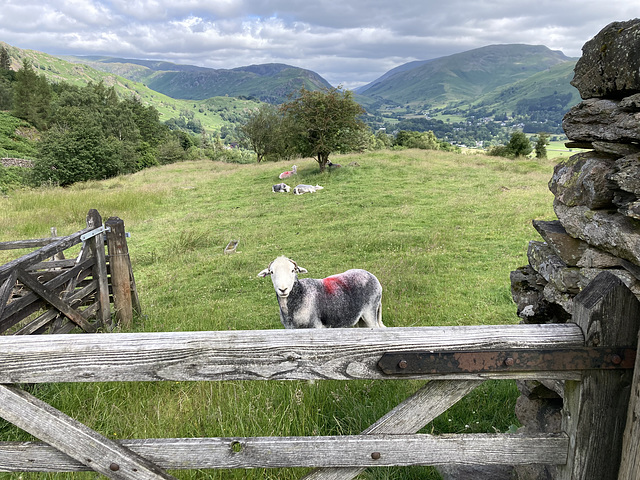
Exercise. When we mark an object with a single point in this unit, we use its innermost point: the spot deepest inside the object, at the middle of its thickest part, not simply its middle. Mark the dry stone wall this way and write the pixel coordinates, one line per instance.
(597, 202)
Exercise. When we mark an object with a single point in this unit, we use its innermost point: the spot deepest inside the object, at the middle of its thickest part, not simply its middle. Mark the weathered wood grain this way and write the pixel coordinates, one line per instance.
(119, 264)
(335, 451)
(595, 410)
(96, 245)
(53, 299)
(42, 253)
(73, 438)
(340, 354)
(630, 463)
(433, 399)
(53, 284)
(31, 243)
(6, 288)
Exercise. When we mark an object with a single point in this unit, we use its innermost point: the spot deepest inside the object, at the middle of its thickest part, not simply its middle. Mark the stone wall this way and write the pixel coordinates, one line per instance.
(597, 202)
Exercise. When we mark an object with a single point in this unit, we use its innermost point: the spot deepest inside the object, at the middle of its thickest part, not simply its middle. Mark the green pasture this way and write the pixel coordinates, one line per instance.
(440, 230)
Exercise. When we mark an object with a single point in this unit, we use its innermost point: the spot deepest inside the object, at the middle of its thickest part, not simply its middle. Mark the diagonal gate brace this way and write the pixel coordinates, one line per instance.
(511, 360)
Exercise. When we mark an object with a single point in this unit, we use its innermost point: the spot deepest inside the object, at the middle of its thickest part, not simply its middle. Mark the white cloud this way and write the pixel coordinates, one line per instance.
(346, 42)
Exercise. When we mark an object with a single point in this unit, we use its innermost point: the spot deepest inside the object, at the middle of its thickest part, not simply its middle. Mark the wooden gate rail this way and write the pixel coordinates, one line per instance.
(589, 447)
(323, 354)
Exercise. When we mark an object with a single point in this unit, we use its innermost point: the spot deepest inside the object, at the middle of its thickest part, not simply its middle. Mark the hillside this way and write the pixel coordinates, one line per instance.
(550, 87)
(212, 113)
(271, 83)
(463, 76)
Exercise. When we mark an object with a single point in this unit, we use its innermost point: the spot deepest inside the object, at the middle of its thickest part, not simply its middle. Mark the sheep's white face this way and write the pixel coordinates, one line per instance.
(283, 275)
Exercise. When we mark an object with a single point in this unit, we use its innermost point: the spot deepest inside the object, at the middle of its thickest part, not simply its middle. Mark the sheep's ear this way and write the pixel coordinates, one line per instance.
(264, 273)
(301, 270)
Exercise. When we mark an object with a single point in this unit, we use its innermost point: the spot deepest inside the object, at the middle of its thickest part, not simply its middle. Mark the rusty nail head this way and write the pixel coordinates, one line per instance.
(616, 359)
(509, 361)
(375, 455)
(114, 467)
(402, 364)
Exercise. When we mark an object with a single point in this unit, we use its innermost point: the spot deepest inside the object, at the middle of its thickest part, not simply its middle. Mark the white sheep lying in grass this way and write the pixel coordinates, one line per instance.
(300, 189)
(344, 300)
(280, 188)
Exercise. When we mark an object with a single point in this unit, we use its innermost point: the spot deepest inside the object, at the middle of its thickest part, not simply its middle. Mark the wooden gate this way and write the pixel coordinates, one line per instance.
(589, 447)
(40, 295)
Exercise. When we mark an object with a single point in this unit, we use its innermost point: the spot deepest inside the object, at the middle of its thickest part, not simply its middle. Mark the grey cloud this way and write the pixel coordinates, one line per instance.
(350, 42)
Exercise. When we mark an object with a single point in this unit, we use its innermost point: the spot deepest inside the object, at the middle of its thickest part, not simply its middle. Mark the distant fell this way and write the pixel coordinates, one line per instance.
(463, 76)
(272, 82)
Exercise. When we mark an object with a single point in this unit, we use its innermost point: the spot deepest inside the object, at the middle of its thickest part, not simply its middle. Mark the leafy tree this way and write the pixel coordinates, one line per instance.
(265, 132)
(519, 145)
(32, 96)
(73, 152)
(324, 121)
(541, 145)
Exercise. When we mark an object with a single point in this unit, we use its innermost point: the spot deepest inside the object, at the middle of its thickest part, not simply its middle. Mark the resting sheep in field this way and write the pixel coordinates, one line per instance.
(281, 188)
(343, 300)
(300, 189)
(288, 173)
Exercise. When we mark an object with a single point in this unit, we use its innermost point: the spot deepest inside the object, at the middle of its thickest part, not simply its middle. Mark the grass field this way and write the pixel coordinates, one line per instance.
(441, 231)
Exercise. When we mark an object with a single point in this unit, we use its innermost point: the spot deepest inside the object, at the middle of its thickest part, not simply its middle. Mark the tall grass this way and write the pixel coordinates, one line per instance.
(441, 231)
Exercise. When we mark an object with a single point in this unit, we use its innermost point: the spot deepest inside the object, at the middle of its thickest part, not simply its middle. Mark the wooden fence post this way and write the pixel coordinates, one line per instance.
(120, 271)
(96, 245)
(630, 464)
(595, 409)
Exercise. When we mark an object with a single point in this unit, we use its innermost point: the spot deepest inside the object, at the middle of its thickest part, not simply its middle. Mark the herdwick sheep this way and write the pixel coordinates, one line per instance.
(343, 300)
(288, 173)
(281, 188)
(300, 189)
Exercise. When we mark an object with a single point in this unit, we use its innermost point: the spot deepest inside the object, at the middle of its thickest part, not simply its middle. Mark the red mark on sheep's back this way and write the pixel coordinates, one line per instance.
(333, 283)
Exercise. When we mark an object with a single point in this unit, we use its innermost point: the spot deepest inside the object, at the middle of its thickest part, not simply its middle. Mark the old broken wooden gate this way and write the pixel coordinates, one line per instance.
(57, 296)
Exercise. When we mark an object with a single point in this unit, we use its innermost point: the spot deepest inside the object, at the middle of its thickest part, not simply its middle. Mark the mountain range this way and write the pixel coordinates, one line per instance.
(497, 80)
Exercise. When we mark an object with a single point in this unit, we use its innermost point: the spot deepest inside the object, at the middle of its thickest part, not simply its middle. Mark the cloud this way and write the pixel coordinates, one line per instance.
(346, 42)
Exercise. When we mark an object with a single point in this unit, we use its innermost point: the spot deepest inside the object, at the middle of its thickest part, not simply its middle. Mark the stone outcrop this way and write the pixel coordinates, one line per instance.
(597, 202)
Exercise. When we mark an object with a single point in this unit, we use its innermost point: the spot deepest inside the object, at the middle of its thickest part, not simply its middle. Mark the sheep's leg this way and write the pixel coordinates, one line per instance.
(379, 316)
(371, 319)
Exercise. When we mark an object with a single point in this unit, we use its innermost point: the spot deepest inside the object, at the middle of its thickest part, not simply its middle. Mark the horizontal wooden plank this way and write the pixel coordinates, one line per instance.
(47, 251)
(31, 243)
(339, 354)
(334, 451)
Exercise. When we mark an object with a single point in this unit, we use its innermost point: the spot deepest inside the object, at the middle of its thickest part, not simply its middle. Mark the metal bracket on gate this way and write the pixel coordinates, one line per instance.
(484, 361)
(98, 231)
(94, 232)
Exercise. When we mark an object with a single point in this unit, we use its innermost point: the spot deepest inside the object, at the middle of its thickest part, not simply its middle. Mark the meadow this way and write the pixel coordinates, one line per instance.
(440, 230)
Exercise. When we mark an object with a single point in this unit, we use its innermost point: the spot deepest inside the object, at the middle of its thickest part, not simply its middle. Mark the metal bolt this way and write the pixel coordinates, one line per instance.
(616, 359)
(509, 361)
(114, 467)
(402, 364)
(375, 455)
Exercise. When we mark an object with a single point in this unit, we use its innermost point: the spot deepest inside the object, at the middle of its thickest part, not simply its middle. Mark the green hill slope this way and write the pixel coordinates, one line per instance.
(548, 91)
(272, 82)
(463, 76)
(212, 113)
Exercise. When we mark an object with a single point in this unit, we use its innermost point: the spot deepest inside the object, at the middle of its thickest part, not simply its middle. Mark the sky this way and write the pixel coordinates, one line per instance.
(349, 43)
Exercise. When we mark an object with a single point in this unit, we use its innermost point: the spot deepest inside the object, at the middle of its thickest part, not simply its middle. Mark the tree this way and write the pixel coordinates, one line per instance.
(265, 133)
(324, 121)
(31, 96)
(541, 145)
(519, 145)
